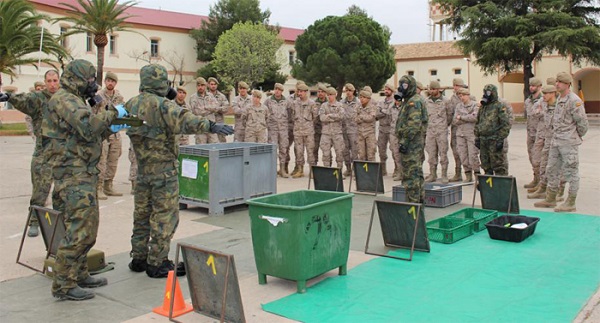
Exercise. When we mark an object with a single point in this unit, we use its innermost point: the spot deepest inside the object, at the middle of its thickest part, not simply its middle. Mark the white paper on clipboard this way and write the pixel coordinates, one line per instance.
(189, 168)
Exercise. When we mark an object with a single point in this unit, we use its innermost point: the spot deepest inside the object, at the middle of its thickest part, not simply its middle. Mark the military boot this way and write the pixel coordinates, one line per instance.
(283, 171)
(299, 173)
(294, 171)
(568, 205)
(561, 192)
(549, 201)
(432, 174)
(34, 230)
(383, 169)
(468, 177)
(457, 175)
(539, 194)
(92, 282)
(74, 294)
(535, 181)
(286, 166)
(444, 175)
(100, 191)
(534, 189)
(108, 189)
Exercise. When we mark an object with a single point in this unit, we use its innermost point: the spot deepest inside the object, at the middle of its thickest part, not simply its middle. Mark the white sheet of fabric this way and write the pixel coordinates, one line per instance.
(273, 220)
(519, 226)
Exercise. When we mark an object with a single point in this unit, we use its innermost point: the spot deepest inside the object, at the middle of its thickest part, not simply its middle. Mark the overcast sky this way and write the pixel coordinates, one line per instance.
(408, 20)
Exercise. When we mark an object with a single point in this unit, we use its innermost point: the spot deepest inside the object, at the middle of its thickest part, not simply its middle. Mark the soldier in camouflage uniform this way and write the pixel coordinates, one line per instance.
(535, 86)
(350, 104)
(411, 129)
(156, 213)
(256, 120)
(278, 107)
(321, 98)
(366, 115)
(111, 147)
(33, 105)
(465, 116)
(74, 144)
(303, 114)
(240, 104)
(331, 114)
(569, 125)
(292, 98)
(385, 120)
(394, 144)
(184, 140)
(511, 120)
(491, 129)
(436, 142)
(204, 105)
(457, 84)
(222, 104)
(37, 86)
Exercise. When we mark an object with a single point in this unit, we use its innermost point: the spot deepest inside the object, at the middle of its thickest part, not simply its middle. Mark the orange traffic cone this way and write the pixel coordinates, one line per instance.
(179, 305)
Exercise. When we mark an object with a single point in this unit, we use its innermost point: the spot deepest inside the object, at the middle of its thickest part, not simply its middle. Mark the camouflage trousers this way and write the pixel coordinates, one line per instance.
(563, 160)
(41, 181)
(280, 139)
(133, 168)
(291, 141)
(259, 136)
(469, 154)
(367, 146)
(436, 146)
(536, 151)
(206, 138)
(454, 146)
(155, 216)
(111, 151)
(239, 134)
(337, 141)
(383, 139)
(318, 136)
(304, 143)
(493, 161)
(75, 197)
(530, 151)
(350, 147)
(544, 162)
(183, 140)
(396, 155)
(412, 171)
(505, 156)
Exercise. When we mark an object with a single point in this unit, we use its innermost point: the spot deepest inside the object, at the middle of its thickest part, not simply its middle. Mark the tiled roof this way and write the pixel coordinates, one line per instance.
(439, 49)
(162, 18)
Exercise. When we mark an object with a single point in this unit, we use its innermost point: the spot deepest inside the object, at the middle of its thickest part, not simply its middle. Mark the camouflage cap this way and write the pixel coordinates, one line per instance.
(389, 87)
(243, 85)
(39, 83)
(302, 87)
(366, 94)
(367, 88)
(200, 81)
(534, 81)
(548, 89)
(458, 81)
(564, 77)
(278, 86)
(299, 82)
(551, 80)
(349, 87)
(434, 84)
(257, 94)
(420, 86)
(182, 89)
(331, 91)
(154, 79)
(213, 79)
(322, 87)
(112, 76)
(464, 91)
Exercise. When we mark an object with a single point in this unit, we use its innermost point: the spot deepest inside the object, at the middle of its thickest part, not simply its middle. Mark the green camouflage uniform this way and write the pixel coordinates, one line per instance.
(411, 129)
(33, 104)
(156, 213)
(73, 136)
(492, 127)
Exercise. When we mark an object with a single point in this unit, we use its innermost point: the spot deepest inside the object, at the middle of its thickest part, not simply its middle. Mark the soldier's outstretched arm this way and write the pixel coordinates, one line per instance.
(80, 118)
(182, 121)
(25, 102)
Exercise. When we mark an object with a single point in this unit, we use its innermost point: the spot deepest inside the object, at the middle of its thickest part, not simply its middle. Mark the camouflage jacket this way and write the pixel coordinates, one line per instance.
(411, 126)
(204, 105)
(384, 116)
(366, 118)
(349, 121)
(222, 106)
(439, 115)
(278, 113)
(318, 124)
(532, 118)
(304, 114)
(468, 116)
(108, 100)
(493, 121)
(33, 104)
(241, 104)
(569, 123)
(256, 117)
(331, 115)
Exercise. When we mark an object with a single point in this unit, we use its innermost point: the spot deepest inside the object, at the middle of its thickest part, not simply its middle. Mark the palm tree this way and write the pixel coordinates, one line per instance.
(20, 35)
(99, 18)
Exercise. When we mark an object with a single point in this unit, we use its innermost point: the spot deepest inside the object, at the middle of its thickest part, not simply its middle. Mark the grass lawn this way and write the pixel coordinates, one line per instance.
(13, 129)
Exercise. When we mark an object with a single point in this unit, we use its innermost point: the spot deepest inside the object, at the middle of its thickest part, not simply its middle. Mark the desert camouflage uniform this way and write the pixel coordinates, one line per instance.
(256, 123)
(533, 120)
(366, 117)
(331, 115)
(544, 136)
(492, 126)
(184, 140)
(394, 112)
(511, 119)
(349, 131)
(156, 209)
(73, 135)
(278, 125)
(318, 130)
(385, 126)
(33, 105)
(303, 114)
(220, 110)
(452, 103)
(465, 135)
(111, 147)
(436, 143)
(205, 106)
(292, 98)
(240, 105)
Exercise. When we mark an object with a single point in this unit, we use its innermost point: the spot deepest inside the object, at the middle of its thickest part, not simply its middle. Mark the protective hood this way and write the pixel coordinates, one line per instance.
(76, 75)
(490, 92)
(407, 86)
(154, 79)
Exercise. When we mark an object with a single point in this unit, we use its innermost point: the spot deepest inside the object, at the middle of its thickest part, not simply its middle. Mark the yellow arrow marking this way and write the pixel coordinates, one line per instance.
(413, 212)
(47, 216)
(366, 167)
(205, 166)
(489, 181)
(336, 174)
(211, 262)
(168, 294)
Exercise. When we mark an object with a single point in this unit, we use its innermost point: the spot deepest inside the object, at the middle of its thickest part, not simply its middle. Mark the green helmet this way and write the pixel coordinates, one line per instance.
(77, 77)
(490, 94)
(154, 79)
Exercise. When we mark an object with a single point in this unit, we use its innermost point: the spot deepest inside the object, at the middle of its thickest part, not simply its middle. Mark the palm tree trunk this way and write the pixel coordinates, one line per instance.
(100, 66)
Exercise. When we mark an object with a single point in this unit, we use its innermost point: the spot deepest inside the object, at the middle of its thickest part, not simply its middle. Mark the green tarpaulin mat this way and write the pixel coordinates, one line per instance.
(547, 278)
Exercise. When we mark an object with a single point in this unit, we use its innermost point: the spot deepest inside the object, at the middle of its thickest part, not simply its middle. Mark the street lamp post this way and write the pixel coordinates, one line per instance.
(468, 70)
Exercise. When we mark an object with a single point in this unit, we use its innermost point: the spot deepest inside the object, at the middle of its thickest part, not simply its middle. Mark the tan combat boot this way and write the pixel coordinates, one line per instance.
(100, 192)
(457, 175)
(539, 194)
(299, 173)
(561, 192)
(535, 181)
(468, 177)
(568, 205)
(432, 174)
(550, 200)
(444, 175)
(534, 189)
(283, 171)
(294, 171)
(108, 189)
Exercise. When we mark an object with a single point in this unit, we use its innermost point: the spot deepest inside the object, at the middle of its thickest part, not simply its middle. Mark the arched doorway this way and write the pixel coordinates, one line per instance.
(586, 84)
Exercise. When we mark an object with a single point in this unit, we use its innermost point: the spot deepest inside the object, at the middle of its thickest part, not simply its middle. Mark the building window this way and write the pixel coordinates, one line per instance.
(410, 73)
(63, 40)
(112, 44)
(154, 48)
(457, 71)
(433, 72)
(291, 57)
(89, 43)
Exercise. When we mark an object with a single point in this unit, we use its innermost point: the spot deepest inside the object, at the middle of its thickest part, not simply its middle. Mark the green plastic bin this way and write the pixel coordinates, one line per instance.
(300, 235)
(479, 217)
(449, 230)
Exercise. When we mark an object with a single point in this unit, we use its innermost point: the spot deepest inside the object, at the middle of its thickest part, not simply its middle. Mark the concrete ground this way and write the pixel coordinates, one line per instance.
(25, 295)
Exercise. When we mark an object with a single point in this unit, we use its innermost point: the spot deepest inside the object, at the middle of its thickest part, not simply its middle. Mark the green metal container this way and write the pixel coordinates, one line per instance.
(300, 235)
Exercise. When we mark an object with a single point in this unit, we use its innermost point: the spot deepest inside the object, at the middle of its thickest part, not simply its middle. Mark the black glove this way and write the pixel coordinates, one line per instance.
(4, 97)
(220, 128)
(499, 145)
(477, 143)
(402, 149)
(96, 99)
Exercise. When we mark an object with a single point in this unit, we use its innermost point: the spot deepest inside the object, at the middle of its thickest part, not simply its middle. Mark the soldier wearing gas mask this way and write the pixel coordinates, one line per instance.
(73, 138)
(491, 128)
